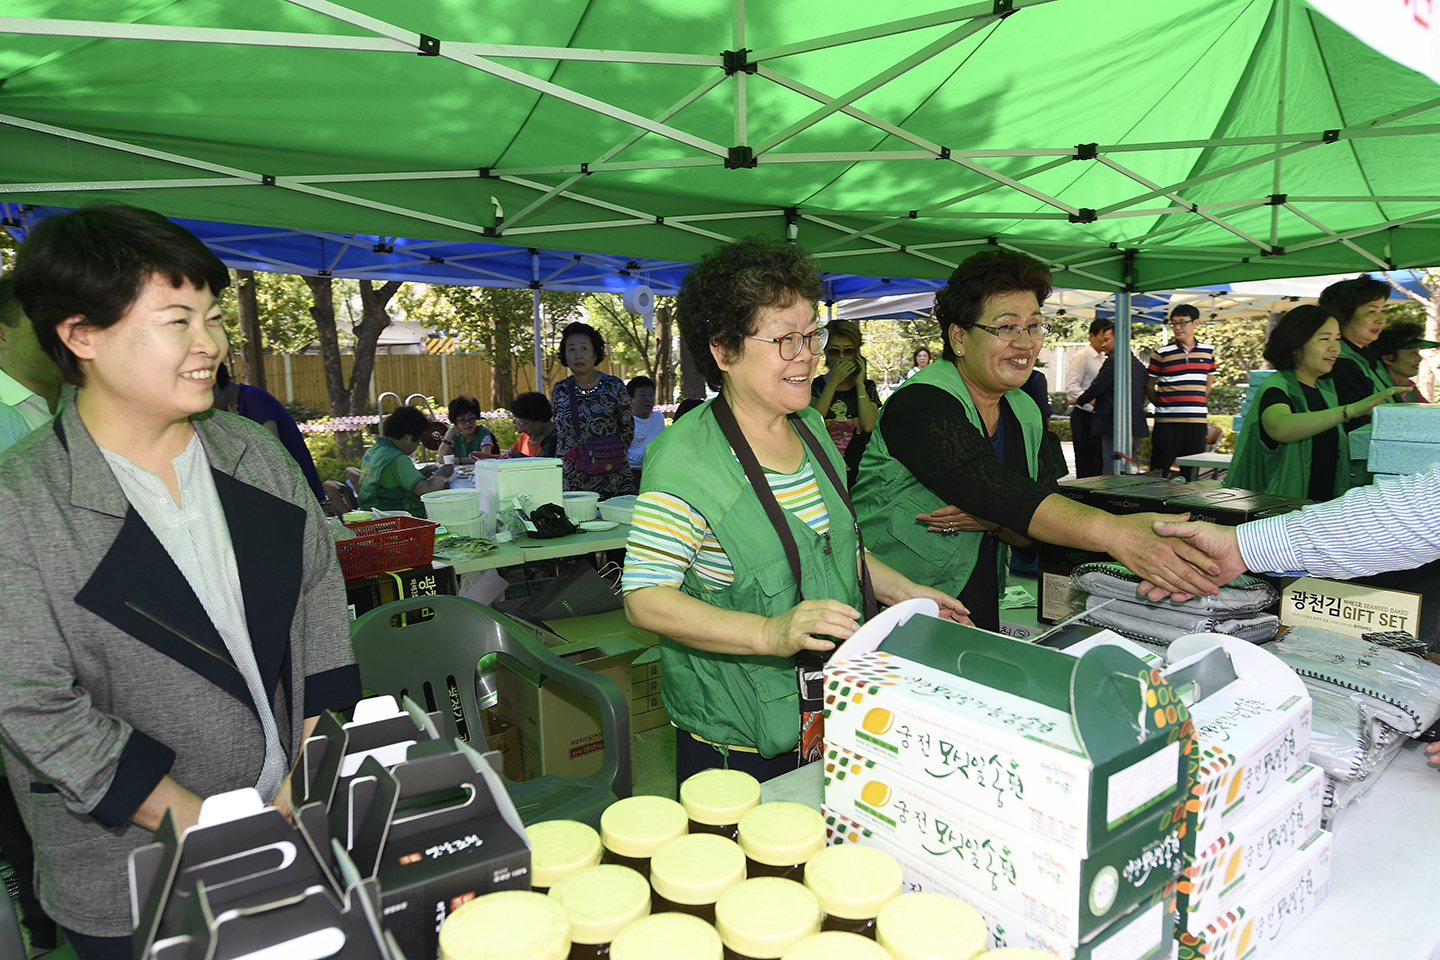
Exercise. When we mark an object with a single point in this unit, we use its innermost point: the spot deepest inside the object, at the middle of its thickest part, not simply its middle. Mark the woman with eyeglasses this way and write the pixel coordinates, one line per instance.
(955, 475)
(847, 399)
(466, 440)
(723, 490)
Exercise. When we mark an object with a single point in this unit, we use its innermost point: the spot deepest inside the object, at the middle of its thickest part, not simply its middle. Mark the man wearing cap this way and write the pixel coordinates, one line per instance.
(1397, 352)
(1179, 386)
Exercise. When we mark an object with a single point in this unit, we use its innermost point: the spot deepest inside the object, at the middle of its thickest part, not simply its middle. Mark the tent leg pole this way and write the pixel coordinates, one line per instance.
(539, 341)
(1122, 432)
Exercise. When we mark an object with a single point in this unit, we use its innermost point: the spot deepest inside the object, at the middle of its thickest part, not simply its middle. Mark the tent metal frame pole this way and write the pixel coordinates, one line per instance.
(535, 306)
(1123, 434)
(1284, 74)
(1125, 171)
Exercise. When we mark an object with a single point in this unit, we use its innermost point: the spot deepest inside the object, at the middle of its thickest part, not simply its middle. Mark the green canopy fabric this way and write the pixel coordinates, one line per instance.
(1131, 145)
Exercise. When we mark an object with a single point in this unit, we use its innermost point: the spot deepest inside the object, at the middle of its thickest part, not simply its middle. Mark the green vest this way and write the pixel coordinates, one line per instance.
(1379, 378)
(752, 700)
(1286, 469)
(464, 448)
(374, 492)
(887, 496)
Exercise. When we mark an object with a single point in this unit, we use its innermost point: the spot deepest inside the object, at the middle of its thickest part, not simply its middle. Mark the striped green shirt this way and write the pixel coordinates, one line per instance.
(668, 536)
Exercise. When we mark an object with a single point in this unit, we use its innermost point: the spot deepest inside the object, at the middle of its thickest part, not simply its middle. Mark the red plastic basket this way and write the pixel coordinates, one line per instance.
(392, 543)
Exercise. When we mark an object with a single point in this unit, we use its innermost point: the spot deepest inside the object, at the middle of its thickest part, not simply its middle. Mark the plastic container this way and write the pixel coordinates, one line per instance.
(479, 527)
(560, 847)
(852, 882)
(778, 838)
(600, 901)
(451, 506)
(509, 925)
(715, 800)
(836, 946)
(580, 505)
(763, 917)
(619, 509)
(930, 926)
(500, 480)
(688, 874)
(390, 544)
(634, 828)
(667, 936)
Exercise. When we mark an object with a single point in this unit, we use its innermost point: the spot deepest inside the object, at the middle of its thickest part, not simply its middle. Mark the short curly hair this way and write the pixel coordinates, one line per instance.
(1292, 332)
(1342, 299)
(977, 279)
(405, 423)
(722, 295)
(597, 342)
(532, 406)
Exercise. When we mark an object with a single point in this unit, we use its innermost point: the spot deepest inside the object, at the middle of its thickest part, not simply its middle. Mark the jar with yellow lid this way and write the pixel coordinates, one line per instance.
(668, 936)
(852, 882)
(558, 847)
(600, 901)
(634, 828)
(760, 919)
(715, 800)
(779, 837)
(509, 925)
(836, 945)
(689, 873)
(930, 926)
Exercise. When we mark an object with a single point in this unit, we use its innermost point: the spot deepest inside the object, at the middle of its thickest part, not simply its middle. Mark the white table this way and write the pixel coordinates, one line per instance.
(1191, 464)
(1386, 849)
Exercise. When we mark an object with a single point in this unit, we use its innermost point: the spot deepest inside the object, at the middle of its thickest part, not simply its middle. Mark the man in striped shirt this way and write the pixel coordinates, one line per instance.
(1179, 386)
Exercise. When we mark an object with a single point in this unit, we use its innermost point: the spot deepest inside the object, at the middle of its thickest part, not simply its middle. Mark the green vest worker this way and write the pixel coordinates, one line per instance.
(388, 477)
(1293, 441)
(947, 484)
(705, 566)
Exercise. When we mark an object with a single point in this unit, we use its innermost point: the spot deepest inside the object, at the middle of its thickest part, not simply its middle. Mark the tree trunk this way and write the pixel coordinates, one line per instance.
(692, 382)
(664, 362)
(502, 379)
(351, 442)
(374, 318)
(1426, 380)
(252, 362)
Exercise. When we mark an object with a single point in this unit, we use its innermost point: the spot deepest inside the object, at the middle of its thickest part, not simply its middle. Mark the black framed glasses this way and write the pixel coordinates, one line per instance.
(1011, 331)
(790, 344)
(846, 352)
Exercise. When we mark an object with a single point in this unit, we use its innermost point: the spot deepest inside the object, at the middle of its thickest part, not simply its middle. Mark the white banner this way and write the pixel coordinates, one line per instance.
(1400, 29)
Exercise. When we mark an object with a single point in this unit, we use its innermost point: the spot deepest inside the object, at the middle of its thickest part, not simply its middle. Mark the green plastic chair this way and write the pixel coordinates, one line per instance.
(402, 654)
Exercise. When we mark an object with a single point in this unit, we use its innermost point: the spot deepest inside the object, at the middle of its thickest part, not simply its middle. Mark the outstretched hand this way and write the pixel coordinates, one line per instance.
(1218, 543)
(1169, 565)
(796, 628)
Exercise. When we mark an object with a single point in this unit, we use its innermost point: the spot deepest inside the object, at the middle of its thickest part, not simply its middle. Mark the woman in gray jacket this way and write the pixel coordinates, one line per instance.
(173, 613)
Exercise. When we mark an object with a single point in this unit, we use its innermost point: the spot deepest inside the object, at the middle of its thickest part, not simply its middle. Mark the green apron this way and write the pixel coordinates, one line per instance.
(374, 493)
(750, 700)
(887, 497)
(1286, 469)
(1379, 378)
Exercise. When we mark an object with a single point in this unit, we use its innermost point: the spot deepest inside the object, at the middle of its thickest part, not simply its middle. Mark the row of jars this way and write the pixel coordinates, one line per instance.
(718, 875)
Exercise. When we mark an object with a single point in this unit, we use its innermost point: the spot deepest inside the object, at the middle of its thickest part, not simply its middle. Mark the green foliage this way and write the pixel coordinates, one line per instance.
(302, 412)
(505, 433)
(331, 468)
(1226, 423)
(1060, 426)
(322, 445)
(1225, 398)
(1239, 348)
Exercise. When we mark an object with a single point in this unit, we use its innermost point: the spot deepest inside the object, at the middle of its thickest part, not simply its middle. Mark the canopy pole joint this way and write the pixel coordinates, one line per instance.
(1087, 151)
(741, 158)
(738, 61)
(1003, 8)
(1273, 252)
(429, 46)
(1331, 136)
(1278, 199)
(1085, 215)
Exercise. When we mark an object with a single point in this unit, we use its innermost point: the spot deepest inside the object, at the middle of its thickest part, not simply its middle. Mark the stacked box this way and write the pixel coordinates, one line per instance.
(646, 709)
(1404, 438)
(1117, 494)
(1042, 781)
(363, 594)
(1144, 933)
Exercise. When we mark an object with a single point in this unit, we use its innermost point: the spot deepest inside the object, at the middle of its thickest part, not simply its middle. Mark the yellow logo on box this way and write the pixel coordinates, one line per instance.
(878, 721)
(875, 794)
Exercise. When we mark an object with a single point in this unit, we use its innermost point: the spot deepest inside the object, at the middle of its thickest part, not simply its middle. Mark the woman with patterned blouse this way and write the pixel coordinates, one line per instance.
(591, 406)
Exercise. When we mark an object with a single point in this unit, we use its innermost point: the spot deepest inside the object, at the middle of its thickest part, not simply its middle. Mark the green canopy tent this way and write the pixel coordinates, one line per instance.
(1130, 145)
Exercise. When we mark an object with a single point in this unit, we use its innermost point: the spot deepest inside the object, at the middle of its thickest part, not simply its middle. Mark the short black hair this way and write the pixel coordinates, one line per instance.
(462, 405)
(915, 357)
(93, 263)
(10, 309)
(577, 327)
(532, 406)
(1291, 333)
(978, 278)
(1342, 299)
(686, 405)
(405, 422)
(222, 377)
(637, 384)
(1100, 324)
(722, 295)
(1394, 337)
(1186, 310)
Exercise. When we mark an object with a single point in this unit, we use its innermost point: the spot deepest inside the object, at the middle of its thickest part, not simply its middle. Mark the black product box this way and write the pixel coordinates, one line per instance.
(1118, 494)
(437, 832)
(364, 594)
(1053, 566)
(1226, 506)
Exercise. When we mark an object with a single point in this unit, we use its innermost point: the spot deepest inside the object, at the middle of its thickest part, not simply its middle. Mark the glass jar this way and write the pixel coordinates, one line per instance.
(761, 918)
(509, 925)
(779, 837)
(668, 936)
(599, 902)
(852, 882)
(558, 847)
(689, 874)
(930, 926)
(715, 800)
(634, 828)
(835, 945)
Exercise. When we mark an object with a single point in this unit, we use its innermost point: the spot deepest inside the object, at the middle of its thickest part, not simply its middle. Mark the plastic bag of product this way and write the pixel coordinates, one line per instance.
(1244, 594)
(1401, 690)
(1160, 623)
(1346, 736)
(1340, 794)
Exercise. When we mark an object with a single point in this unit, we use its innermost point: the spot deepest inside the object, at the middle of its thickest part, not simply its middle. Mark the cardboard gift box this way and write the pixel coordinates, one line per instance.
(364, 594)
(1252, 724)
(1219, 876)
(1066, 748)
(1145, 932)
(1056, 598)
(1270, 911)
(1069, 893)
